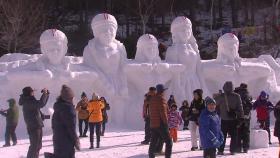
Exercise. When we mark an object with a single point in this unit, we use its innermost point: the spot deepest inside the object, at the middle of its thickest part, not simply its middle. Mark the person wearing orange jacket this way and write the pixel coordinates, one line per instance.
(95, 107)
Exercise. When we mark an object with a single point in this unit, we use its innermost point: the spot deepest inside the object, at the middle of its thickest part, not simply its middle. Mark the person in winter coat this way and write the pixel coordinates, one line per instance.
(174, 121)
(229, 107)
(277, 123)
(159, 122)
(243, 131)
(263, 107)
(104, 115)
(65, 138)
(197, 105)
(83, 114)
(171, 101)
(95, 107)
(12, 115)
(210, 129)
(185, 108)
(146, 115)
(33, 118)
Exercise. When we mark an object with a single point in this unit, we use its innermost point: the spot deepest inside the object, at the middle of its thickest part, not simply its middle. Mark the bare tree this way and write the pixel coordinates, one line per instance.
(21, 23)
(171, 8)
(275, 5)
(211, 20)
(145, 10)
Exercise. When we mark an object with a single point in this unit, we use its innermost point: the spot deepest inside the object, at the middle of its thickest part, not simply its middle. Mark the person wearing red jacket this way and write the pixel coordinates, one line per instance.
(146, 115)
(263, 107)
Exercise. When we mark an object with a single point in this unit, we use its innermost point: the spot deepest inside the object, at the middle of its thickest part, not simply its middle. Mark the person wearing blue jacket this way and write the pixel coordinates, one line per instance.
(210, 129)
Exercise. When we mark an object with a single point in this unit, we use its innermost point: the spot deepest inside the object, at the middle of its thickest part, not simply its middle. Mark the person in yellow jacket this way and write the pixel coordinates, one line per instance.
(95, 107)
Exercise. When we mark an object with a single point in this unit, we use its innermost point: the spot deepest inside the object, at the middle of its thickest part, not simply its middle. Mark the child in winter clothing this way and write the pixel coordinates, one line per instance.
(185, 108)
(171, 101)
(263, 107)
(95, 107)
(12, 115)
(210, 129)
(174, 120)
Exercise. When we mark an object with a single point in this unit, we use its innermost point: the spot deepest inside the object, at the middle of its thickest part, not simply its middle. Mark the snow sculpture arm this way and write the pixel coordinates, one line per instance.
(199, 72)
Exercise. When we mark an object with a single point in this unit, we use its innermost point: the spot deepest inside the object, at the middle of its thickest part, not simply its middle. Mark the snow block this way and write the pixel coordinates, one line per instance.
(259, 139)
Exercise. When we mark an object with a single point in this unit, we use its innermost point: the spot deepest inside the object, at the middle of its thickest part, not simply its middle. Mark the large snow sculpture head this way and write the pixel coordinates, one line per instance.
(53, 45)
(147, 49)
(104, 27)
(181, 29)
(228, 48)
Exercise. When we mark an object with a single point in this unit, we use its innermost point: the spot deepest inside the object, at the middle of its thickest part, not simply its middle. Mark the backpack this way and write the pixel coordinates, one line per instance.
(262, 112)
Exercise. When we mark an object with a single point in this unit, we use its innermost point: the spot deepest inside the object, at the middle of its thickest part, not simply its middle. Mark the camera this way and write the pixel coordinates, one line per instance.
(45, 90)
(45, 117)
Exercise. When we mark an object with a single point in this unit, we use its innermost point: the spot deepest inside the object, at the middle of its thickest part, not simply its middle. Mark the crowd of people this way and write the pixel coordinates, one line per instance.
(92, 113)
(210, 120)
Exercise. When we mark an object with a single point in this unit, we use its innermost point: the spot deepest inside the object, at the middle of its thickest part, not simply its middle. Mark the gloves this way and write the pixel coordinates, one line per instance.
(77, 144)
(165, 126)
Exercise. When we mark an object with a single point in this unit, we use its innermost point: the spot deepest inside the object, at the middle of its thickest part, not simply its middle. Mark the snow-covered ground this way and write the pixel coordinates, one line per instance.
(126, 144)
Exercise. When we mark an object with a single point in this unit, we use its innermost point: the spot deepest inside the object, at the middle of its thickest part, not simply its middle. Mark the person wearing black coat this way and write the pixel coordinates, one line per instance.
(277, 122)
(33, 118)
(243, 131)
(104, 115)
(197, 105)
(185, 112)
(65, 138)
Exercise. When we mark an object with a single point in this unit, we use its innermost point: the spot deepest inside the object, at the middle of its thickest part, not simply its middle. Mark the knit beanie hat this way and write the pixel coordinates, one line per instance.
(243, 85)
(209, 100)
(263, 94)
(66, 93)
(83, 95)
(12, 102)
(95, 96)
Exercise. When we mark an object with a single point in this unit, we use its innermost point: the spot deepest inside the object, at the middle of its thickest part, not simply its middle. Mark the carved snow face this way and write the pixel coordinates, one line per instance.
(54, 51)
(150, 51)
(53, 45)
(105, 34)
(182, 34)
(228, 47)
(147, 48)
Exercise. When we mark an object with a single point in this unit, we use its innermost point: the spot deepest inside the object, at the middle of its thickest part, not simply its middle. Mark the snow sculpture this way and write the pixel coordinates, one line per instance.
(273, 64)
(106, 54)
(13, 60)
(230, 67)
(147, 69)
(50, 70)
(184, 50)
(53, 62)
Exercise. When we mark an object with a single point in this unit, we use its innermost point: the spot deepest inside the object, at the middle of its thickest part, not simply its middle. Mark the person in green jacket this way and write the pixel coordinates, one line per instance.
(12, 115)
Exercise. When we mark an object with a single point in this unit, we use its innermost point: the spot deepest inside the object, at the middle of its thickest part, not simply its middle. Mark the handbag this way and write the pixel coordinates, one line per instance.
(231, 112)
